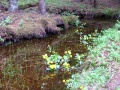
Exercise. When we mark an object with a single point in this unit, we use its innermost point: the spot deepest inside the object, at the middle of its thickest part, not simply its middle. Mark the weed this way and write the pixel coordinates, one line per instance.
(1, 39)
(87, 79)
(106, 50)
(6, 21)
(67, 13)
(77, 22)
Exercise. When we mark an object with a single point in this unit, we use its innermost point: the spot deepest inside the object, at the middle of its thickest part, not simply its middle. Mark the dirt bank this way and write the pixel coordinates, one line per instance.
(16, 26)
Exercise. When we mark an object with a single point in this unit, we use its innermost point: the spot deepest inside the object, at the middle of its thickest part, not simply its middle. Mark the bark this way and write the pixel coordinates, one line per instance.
(42, 7)
(13, 5)
(95, 4)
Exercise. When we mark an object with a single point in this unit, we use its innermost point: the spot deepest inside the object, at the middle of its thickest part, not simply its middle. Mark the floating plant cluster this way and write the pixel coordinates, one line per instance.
(56, 62)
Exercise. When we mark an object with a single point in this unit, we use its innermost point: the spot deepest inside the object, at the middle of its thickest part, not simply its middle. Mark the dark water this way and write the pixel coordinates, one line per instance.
(27, 70)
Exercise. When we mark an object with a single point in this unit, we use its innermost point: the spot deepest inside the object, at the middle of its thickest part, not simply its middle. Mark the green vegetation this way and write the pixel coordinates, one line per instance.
(105, 52)
(53, 5)
(71, 20)
(96, 77)
(1, 39)
(21, 3)
(56, 62)
(6, 21)
(110, 11)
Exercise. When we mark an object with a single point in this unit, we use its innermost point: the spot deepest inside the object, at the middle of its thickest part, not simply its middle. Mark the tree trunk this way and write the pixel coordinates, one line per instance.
(95, 4)
(42, 7)
(13, 5)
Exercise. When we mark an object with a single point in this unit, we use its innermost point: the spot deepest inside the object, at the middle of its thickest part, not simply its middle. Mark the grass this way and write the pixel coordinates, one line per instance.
(96, 77)
(105, 52)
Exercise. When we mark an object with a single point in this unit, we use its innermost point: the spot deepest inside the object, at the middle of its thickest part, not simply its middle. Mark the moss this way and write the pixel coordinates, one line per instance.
(22, 3)
(70, 19)
(110, 11)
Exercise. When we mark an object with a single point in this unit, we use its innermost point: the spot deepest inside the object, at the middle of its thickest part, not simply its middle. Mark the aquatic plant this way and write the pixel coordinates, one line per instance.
(79, 58)
(56, 62)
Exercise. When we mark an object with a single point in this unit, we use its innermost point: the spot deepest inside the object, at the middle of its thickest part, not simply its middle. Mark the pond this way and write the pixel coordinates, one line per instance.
(25, 69)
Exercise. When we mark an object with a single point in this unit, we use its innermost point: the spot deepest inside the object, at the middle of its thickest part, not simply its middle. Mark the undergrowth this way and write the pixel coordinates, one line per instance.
(105, 52)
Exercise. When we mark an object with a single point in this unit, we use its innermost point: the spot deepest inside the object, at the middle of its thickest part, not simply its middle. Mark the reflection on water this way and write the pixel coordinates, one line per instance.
(32, 74)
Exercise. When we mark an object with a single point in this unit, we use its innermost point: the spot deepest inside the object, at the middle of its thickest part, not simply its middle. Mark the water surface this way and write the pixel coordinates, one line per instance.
(26, 56)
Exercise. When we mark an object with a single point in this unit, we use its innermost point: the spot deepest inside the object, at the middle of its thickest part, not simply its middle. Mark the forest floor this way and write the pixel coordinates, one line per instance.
(85, 9)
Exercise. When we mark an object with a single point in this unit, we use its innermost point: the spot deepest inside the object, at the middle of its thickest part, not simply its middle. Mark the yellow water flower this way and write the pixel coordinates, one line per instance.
(76, 31)
(53, 66)
(81, 87)
(53, 52)
(78, 57)
(45, 56)
(67, 81)
(51, 61)
(64, 81)
(48, 63)
(48, 45)
(52, 75)
(65, 52)
(69, 52)
(66, 65)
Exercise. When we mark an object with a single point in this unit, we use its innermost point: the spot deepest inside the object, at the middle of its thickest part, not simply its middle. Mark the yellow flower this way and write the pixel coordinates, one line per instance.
(71, 56)
(48, 46)
(69, 52)
(64, 81)
(52, 75)
(48, 63)
(65, 52)
(81, 87)
(67, 81)
(53, 66)
(45, 56)
(66, 65)
(53, 52)
(78, 57)
(51, 61)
